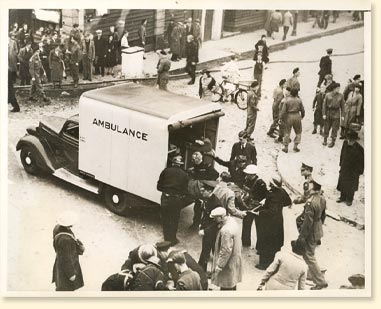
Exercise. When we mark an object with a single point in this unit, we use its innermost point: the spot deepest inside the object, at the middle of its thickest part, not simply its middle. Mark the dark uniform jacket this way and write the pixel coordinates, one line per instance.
(189, 280)
(67, 260)
(314, 216)
(257, 192)
(173, 180)
(333, 105)
(133, 258)
(235, 171)
(203, 171)
(325, 66)
(150, 278)
(249, 151)
(211, 203)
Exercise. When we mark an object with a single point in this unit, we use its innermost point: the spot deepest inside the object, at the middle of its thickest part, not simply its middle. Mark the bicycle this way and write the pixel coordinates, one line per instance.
(239, 94)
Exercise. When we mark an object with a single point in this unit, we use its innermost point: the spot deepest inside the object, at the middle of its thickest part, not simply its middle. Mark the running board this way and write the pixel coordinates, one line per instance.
(67, 176)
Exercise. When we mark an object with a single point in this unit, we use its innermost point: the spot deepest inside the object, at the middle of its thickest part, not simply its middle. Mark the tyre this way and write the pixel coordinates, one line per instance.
(28, 156)
(241, 99)
(116, 200)
(217, 94)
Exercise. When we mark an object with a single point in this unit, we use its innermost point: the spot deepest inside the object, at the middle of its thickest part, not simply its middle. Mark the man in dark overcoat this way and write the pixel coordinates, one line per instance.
(351, 167)
(100, 53)
(270, 217)
(67, 273)
(192, 58)
(325, 66)
(176, 42)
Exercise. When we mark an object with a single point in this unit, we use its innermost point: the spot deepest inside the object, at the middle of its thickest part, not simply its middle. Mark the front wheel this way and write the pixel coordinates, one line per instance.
(241, 99)
(28, 158)
(116, 200)
(217, 93)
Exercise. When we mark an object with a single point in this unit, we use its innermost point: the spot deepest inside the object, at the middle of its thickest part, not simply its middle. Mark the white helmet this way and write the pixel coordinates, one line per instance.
(251, 169)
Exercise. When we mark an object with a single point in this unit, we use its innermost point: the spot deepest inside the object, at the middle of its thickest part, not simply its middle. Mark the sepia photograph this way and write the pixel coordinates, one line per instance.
(186, 151)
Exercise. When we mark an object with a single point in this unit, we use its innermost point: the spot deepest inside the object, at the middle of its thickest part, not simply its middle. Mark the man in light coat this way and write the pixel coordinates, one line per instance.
(227, 260)
(163, 67)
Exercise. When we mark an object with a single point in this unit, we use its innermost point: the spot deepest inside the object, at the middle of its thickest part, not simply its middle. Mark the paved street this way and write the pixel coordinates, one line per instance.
(35, 202)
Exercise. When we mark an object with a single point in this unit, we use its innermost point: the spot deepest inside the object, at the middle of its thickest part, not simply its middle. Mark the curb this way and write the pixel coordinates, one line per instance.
(331, 214)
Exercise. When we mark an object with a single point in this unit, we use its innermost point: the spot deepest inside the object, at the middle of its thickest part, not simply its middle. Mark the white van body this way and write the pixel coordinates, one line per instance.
(124, 133)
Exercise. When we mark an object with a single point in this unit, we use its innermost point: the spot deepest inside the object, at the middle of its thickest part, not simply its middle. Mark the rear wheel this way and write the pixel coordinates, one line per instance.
(28, 158)
(217, 94)
(241, 99)
(116, 200)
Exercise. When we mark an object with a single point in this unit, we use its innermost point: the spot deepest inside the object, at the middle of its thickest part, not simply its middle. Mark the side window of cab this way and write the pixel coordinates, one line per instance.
(71, 130)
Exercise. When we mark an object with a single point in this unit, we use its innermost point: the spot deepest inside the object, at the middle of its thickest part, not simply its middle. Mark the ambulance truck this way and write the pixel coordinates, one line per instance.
(122, 139)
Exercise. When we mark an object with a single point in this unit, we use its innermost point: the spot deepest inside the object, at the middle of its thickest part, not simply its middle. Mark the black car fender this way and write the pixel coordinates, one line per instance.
(43, 160)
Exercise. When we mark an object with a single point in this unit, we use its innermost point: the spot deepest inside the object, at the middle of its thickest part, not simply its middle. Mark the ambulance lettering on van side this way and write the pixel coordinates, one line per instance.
(115, 127)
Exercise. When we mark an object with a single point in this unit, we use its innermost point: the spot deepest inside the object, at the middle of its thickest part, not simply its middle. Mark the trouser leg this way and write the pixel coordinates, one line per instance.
(170, 214)
(321, 79)
(313, 267)
(335, 127)
(250, 121)
(208, 242)
(297, 125)
(287, 132)
(327, 126)
(197, 212)
(11, 91)
(85, 68)
(285, 31)
(247, 222)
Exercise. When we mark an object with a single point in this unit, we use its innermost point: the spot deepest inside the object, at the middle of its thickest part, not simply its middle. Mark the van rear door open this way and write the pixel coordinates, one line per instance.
(125, 131)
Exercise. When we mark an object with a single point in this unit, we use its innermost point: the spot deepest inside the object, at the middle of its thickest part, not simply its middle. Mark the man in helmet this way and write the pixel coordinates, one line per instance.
(254, 192)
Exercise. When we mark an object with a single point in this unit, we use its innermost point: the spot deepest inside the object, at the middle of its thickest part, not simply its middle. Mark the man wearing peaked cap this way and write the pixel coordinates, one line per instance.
(255, 191)
(306, 171)
(325, 66)
(311, 231)
(173, 183)
(333, 111)
(208, 229)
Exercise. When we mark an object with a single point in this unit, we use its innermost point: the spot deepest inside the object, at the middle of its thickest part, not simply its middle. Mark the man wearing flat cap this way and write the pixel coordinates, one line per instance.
(351, 167)
(306, 171)
(325, 66)
(67, 273)
(227, 259)
(311, 232)
(173, 183)
(293, 81)
(333, 111)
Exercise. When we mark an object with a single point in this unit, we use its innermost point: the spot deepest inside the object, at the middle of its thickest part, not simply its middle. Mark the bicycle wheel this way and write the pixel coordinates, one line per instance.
(217, 93)
(241, 99)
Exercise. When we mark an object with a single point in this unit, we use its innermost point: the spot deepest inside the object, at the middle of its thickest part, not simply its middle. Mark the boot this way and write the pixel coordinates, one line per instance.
(285, 149)
(296, 149)
(325, 141)
(314, 131)
(271, 134)
(332, 143)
